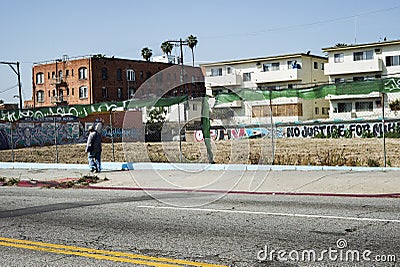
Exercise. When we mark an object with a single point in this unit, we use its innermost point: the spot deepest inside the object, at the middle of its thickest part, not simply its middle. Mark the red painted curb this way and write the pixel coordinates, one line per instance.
(34, 183)
(215, 191)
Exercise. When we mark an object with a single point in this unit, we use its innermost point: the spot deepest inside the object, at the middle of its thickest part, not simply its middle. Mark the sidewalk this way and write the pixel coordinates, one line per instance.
(221, 178)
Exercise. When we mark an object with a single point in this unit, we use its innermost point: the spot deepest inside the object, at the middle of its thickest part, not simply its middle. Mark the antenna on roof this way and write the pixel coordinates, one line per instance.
(355, 29)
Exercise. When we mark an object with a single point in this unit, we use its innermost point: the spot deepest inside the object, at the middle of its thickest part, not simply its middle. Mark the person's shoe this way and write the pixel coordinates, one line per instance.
(93, 170)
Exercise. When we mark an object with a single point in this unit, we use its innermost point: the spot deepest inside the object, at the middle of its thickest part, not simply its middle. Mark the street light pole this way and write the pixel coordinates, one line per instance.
(19, 86)
(181, 43)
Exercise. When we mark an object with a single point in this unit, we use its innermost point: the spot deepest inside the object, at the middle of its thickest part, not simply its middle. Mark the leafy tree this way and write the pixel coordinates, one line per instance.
(154, 125)
(1, 101)
(147, 53)
(394, 105)
(156, 115)
(341, 45)
(192, 42)
(99, 56)
(166, 47)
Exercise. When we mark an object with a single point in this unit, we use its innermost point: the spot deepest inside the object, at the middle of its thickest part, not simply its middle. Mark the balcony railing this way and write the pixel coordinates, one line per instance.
(276, 76)
(58, 80)
(362, 66)
(225, 80)
(59, 99)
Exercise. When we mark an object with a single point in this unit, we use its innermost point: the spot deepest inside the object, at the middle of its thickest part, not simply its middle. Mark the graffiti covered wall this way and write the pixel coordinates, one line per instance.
(234, 133)
(355, 129)
(68, 129)
(345, 129)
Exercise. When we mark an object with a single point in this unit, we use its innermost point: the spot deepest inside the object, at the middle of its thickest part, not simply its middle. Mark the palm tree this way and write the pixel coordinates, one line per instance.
(166, 47)
(192, 42)
(147, 53)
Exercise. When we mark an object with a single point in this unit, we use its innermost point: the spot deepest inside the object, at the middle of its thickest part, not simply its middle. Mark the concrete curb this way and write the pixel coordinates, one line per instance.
(216, 191)
(114, 166)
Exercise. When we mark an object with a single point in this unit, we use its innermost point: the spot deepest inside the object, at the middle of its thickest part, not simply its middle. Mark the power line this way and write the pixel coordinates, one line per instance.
(293, 27)
(9, 88)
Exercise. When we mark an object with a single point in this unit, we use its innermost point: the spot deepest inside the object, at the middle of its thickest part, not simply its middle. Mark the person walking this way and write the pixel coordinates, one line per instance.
(93, 148)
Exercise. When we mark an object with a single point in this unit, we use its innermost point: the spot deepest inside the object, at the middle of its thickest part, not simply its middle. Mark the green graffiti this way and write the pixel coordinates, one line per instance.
(82, 111)
(391, 85)
(79, 111)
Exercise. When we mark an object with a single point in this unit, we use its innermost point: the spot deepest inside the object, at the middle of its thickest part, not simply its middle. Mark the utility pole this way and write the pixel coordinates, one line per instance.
(181, 43)
(17, 72)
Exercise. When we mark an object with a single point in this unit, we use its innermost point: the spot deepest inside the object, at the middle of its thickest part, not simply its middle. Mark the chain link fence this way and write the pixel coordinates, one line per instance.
(344, 132)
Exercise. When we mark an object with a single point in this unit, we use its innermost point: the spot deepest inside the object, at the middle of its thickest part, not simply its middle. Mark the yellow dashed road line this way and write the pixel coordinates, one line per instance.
(100, 254)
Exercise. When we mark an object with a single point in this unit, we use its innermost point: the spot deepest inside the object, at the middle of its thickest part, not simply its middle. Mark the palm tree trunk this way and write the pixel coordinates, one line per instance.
(193, 57)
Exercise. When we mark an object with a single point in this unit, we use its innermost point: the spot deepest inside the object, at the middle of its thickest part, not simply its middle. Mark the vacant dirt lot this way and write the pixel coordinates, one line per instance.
(332, 152)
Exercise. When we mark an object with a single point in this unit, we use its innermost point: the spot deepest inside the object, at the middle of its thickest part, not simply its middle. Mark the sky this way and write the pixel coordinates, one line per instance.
(40, 30)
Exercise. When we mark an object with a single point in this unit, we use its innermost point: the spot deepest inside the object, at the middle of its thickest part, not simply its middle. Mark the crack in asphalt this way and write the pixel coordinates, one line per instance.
(80, 204)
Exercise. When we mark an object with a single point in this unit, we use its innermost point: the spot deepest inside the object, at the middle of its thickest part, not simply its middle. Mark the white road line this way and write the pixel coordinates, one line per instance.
(274, 214)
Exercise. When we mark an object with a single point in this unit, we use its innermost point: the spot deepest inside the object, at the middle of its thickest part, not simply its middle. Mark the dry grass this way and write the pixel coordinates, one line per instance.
(328, 152)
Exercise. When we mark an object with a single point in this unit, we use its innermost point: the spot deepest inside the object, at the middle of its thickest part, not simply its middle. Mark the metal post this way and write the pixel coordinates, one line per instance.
(383, 130)
(179, 132)
(112, 136)
(55, 138)
(12, 142)
(179, 104)
(272, 127)
(19, 87)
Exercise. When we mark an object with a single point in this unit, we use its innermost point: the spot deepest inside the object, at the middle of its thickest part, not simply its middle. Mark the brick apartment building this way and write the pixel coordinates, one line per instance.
(95, 79)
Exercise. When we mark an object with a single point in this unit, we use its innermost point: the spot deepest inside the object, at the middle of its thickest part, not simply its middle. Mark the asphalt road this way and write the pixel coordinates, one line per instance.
(82, 227)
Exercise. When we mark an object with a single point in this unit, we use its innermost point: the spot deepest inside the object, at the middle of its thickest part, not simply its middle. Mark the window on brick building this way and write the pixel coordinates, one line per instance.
(39, 78)
(83, 92)
(104, 73)
(130, 75)
(105, 92)
(40, 96)
(131, 92)
(119, 75)
(82, 73)
(119, 93)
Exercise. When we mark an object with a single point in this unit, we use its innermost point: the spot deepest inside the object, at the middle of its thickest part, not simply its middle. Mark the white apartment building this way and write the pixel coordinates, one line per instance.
(362, 62)
(276, 72)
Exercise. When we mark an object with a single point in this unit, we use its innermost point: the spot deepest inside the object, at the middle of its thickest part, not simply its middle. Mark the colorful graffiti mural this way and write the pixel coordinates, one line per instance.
(238, 133)
(345, 129)
(27, 134)
(67, 130)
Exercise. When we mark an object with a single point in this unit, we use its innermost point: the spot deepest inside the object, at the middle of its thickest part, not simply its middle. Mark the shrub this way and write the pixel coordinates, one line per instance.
(320, 135)
(373, 163)
(367, 134)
